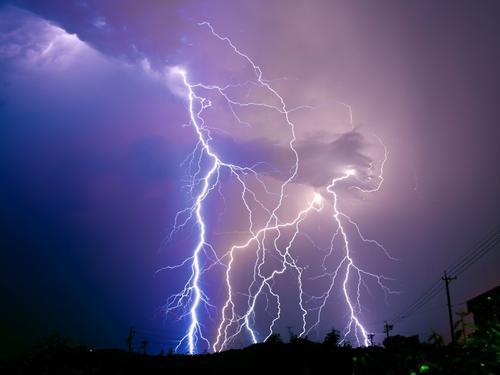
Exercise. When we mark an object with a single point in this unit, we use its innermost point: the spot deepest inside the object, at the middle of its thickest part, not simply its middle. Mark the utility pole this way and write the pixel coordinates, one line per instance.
(144, 345)
(387, 328)
(130, 337)
(370, 337)
(447, 281)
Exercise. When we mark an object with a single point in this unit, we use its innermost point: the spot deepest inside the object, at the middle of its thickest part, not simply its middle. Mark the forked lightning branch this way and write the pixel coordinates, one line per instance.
(273, 239)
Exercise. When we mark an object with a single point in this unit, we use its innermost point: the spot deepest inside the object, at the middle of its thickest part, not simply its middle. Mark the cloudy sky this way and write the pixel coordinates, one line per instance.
(93, 133)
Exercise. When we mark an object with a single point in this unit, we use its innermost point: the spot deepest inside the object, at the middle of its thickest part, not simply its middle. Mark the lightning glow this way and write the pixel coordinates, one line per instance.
(272, 241)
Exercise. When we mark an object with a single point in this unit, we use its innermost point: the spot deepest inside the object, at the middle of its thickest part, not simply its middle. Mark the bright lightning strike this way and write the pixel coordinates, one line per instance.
(272, 241)
(317, 198)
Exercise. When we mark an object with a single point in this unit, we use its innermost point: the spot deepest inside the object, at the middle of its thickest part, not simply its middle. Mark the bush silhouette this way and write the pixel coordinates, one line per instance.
(332, 338)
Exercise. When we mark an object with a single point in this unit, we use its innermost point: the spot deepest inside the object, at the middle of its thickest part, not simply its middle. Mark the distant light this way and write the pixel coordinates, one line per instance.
(350, 172)
(424, 368)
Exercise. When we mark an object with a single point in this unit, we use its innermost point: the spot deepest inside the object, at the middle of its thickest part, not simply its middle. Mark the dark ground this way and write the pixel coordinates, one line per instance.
(480, 354)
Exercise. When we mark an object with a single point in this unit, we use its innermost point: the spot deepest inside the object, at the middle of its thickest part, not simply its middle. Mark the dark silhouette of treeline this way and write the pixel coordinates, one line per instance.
(478, 354)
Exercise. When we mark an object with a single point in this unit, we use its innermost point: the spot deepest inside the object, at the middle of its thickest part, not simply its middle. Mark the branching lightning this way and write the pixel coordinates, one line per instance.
(272, 240)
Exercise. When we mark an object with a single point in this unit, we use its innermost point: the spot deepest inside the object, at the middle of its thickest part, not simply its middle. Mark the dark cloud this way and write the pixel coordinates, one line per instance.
(321, 157)
(85, 157)
(320, 161)
(109, 27)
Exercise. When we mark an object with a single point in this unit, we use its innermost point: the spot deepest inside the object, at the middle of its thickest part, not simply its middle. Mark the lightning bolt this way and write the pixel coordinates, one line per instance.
(271, 240)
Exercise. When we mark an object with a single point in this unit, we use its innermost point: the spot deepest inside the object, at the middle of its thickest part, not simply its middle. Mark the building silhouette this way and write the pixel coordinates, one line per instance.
(485, 309)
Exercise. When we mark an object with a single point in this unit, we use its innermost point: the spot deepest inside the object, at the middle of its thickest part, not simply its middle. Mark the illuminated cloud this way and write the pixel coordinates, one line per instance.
(36, 43)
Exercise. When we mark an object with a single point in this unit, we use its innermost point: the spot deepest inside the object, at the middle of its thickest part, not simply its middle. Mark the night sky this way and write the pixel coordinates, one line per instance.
(93, 133)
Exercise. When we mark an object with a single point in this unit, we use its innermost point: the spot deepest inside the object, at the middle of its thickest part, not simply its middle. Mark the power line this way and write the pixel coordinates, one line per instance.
(478, 246)
(480, 249)
(426, 297)
(476, 256)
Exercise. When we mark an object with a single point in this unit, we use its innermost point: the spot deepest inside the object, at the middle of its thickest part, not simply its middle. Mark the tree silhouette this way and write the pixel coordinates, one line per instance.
(332, 338)
(436, 339)
(275, 338)
(461, 327)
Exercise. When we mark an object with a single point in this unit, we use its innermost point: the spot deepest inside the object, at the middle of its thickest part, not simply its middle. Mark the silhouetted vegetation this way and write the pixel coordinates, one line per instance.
(275, 338)
(332, 338)
(480, 354)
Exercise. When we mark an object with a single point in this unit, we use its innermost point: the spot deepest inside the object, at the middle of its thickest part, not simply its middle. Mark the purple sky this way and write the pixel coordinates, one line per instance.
(92, 137)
